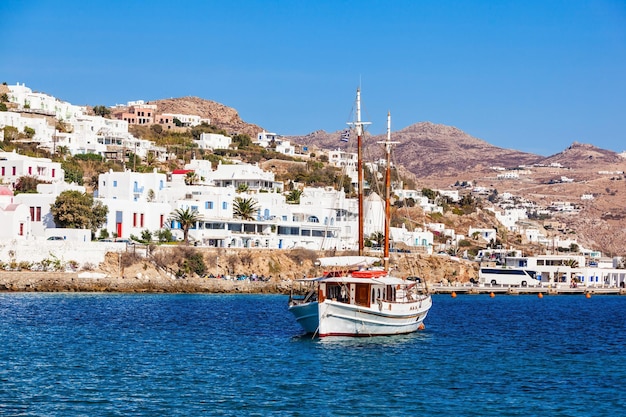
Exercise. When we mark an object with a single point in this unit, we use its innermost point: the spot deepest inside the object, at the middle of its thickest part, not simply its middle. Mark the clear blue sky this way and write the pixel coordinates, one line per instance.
(532, 75)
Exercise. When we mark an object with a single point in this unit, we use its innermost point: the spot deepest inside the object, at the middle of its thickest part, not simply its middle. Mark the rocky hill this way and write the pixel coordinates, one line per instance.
(581, 155)
(220, 115)
(427, 149)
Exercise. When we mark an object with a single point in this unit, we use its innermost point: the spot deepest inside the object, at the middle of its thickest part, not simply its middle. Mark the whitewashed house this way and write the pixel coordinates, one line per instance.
(213, 141)
(487, 234)
(265, 139)
(131, 186)
(249, 175)
(43, 130)
(41, 103)
(417, 239)
(38, 205)
(451, 194)
(13, 166)
(509, 217)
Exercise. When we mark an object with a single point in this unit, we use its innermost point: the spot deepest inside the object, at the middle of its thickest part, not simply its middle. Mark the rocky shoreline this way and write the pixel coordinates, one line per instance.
(128, 273)
(28, 281)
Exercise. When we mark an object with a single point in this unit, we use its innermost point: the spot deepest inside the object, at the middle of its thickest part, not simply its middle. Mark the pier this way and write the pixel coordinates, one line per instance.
(516, 290)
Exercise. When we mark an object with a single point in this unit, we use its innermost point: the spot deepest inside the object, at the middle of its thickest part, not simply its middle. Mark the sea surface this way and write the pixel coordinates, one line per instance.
(233, 355)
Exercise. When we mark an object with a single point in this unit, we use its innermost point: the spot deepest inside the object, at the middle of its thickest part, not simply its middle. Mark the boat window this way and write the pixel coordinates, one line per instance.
(373, 295)
(379, 293)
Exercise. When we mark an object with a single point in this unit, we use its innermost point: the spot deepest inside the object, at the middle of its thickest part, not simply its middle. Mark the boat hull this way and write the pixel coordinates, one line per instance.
(307, 315)
(333, 318)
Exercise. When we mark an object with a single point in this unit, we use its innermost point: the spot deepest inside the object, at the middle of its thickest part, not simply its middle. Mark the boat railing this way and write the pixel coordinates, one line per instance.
(300, 298)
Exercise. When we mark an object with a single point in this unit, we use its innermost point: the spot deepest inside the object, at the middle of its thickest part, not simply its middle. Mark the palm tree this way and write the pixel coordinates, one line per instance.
(378, 238)
(151, 159)
(187, 218)
(242, 188)
(294, 196)
(191, 178)
(244, 208)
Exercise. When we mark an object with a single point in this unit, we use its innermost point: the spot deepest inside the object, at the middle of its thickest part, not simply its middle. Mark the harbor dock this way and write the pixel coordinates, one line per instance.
(516, 290)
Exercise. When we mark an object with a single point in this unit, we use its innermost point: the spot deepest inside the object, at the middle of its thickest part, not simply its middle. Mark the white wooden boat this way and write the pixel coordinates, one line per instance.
(352, 298)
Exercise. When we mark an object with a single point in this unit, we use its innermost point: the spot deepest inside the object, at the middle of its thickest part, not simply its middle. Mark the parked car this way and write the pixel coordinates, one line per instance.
(127, 241)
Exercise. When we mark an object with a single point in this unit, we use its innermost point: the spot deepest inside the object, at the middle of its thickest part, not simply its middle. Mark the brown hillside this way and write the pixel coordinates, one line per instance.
(581, 155)
(221, 116)
(427, 149)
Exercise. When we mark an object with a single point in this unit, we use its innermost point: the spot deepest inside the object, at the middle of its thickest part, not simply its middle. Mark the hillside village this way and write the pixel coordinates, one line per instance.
(209, 195)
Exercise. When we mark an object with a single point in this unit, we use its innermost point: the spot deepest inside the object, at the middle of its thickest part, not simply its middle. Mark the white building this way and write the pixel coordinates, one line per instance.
(509, 217)
(213, 141)
(272, 140)
(43, 130)
(40, 103)
(13, 166)
(421, 240)
(251, 176)
(508, 175)
(451, 194)
(487, 234)
(40, 219)
(187, 120)
(265, 139)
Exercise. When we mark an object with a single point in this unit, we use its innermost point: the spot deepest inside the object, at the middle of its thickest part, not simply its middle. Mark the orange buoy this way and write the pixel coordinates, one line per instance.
(453, 295)
(588, 295)
(492, 295)
(421, 326)
(540, 295)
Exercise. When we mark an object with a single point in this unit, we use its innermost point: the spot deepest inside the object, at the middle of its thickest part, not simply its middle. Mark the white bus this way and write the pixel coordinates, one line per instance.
(507, 276)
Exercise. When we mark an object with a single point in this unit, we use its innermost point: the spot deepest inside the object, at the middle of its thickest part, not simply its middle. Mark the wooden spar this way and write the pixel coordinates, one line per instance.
(359, 132)
(387, 144)
(358, 125)
(387, 194)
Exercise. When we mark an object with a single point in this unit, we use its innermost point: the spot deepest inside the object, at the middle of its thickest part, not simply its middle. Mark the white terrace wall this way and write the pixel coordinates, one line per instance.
(63, 250)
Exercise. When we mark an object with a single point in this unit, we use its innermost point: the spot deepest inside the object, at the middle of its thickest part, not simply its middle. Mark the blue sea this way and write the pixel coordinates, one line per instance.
(233, 355)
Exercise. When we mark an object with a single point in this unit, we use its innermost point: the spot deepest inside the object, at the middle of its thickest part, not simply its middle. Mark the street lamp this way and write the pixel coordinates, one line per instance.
(135, 158)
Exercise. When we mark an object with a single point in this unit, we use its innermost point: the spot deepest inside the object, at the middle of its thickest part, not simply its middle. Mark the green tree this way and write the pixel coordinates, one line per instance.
(73, 171)
(430, 194)
(62, 151)
(242, 141)
(294, 196)
(376, 239)
(242, 188)
(10, 133)
(191, 178)
(244, 208)
(76, 210)
(27, 184)
(164, 235)
(187, 218)
(156, 129)
(101, 111)
(194, 262)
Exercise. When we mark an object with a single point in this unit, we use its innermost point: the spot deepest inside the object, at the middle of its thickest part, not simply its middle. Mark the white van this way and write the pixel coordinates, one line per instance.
(508, 276)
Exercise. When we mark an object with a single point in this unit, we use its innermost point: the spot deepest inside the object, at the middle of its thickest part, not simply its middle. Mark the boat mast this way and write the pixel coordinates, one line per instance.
(387, 144)
(358, 125)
